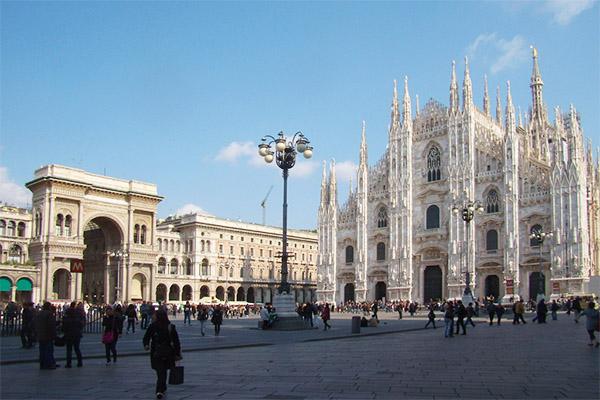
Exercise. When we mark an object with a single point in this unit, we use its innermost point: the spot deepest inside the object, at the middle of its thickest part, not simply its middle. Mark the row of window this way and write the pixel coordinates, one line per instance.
(15, 254)
(491, 244)
(139, 234)
(12, 228)
(63, 224)
(261, 241)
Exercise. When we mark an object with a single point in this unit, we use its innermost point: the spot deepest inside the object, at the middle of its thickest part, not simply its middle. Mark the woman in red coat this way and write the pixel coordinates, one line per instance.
(325, 315)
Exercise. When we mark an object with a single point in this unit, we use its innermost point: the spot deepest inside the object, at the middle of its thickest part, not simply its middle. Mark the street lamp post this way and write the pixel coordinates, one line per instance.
(119, 254)
(539, 236)
(284, 154)
(467, 213)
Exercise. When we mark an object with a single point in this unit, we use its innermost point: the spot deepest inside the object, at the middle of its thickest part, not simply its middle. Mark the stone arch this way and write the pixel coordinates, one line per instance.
(174, 293)
(6, 285)
(161, 292)
(432, 280)
(250, 295)
(349, 292)
(137, 289)
(241, 294)
(220, 293)
(187, 293)
(492, 286)
(204, 291)
(24, 291)
(492, 199)
(61, 284)
(380, 290)
(230, 293)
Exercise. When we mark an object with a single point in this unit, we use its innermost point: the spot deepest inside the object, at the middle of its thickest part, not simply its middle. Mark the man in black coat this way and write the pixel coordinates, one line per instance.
(27, 325)
(72, 325)
(45, 329)
(461, 313)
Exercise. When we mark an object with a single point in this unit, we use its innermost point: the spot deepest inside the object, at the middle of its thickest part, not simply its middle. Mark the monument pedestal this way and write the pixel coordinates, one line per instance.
(287, 317)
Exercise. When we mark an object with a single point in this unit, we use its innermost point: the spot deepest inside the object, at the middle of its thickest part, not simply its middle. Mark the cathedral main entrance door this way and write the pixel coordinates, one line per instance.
(349, 292)
(537, 285)
(492, 286)
(380, 290)
(432, 283)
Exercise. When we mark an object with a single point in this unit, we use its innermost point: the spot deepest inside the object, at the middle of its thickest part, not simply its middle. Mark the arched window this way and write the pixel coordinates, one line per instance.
(21, 229)
(178, 246)
(68, 224)
(136, 233)
(492, 202)
(380, 251)
(174, 265)
(159, 244)
(433, 217)
(382, 218)
(434, 164)
(241, 272)
(220, 271)
(349, 254)
(202, 245)
(231, 272)
(162, 265)
(208, 246)
(191, 246)
(491, 240)
(143, 235)
(188, 267)
(205, 267)
(14, 254)
(58, 231)
(172, 247)
(534, 242)
(2, 227)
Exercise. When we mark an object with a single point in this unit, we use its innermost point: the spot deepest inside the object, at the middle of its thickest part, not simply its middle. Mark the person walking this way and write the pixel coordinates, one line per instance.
(449, 320)
(470, 314)
(27, 325)
(399, 309)
(162, 340)
(541, 312)
(499, 312)
(554, 310)
(461, 313)
(592, 323)
(144, 315)
(132, 318)
(45, 328)
(577, 309)
(202, 317)
(111, 334)
(519, 310)
(187, 313)
(326, 316)
(491, 309)
(72, 326)
(264, 316)
(217, 319)
(431, 317)
(375, 309)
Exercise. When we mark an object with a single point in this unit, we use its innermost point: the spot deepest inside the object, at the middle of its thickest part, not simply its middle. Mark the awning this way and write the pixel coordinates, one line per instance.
(5, 285)
(24, 285)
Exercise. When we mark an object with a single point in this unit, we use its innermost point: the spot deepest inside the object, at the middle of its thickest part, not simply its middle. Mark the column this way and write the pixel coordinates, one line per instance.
(107, 291)
(13, 293)
(125, 295)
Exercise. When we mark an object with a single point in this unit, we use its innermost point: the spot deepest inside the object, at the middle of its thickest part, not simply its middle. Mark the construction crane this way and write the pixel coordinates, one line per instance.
(263, 204)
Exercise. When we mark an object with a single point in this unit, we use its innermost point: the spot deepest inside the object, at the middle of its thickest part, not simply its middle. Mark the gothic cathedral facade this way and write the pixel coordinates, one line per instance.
(397, 237)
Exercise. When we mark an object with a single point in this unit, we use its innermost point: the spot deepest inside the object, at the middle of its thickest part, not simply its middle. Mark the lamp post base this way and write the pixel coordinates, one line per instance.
(287, 317)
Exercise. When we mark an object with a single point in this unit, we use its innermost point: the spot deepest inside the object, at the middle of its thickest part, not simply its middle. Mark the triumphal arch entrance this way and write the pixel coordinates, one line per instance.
(108, 223)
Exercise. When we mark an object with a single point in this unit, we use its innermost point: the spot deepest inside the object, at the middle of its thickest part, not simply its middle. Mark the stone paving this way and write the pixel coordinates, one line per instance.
(493, 362)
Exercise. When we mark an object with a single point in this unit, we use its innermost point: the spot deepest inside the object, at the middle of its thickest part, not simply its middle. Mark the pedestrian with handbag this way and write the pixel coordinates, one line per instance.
(111, 334)
(162, 340)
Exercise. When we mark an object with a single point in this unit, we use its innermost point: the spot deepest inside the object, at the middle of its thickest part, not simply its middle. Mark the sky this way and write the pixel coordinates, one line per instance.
(180, 93)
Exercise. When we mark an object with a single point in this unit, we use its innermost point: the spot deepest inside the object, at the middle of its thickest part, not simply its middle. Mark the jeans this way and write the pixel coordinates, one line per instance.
(111, 348)
(144, 323)
(326, 325)
(217, 329)
(131, 324)
(492, 314)
(470, 321)
(187, 317)
(554, 316)
(73, 344)
(27, 337)
(47, 354)
(449, 327)
(202, 322)
(431, 321)
(460, 322)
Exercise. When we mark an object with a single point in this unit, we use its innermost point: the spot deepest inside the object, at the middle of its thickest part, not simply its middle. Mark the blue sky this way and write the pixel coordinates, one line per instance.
(179, 93)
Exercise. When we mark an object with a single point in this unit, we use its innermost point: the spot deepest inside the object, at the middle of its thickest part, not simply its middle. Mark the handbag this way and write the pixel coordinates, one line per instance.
(59, 341)
(176, 376)
(108, 337)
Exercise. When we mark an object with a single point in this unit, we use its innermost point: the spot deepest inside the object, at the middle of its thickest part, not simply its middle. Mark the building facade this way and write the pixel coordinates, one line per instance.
(396, 236)
(128, 254)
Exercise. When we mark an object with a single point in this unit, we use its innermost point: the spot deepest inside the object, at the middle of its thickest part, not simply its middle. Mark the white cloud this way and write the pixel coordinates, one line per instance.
(303, 168)
(190, 208)
(235, 151)
(563, 11)
(12, 193)
(501, 53)
(345, 170)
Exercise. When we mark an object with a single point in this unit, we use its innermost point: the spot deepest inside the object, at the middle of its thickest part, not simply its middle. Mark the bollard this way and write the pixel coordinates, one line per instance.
(355, 324)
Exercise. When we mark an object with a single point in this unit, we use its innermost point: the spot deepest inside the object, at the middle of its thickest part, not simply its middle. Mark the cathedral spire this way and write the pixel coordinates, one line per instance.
(467, 87)
(363, 145)
(498, 106)
(453, 90)
(538, 112)
(417, 108)
(520, 118)
(486, 97)
(406, 108)
(395, 107)
(324, 185)
(510, 110)
(332, 186)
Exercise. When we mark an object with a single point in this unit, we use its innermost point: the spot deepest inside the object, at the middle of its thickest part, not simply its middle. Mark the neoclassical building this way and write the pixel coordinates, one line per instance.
(396, 237)
(128, 254)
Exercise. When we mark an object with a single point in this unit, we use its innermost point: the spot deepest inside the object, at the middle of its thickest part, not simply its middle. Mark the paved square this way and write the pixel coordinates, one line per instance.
(498, 362)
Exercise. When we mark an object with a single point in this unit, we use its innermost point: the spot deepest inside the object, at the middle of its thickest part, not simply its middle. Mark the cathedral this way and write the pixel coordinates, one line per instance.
(530, 188)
